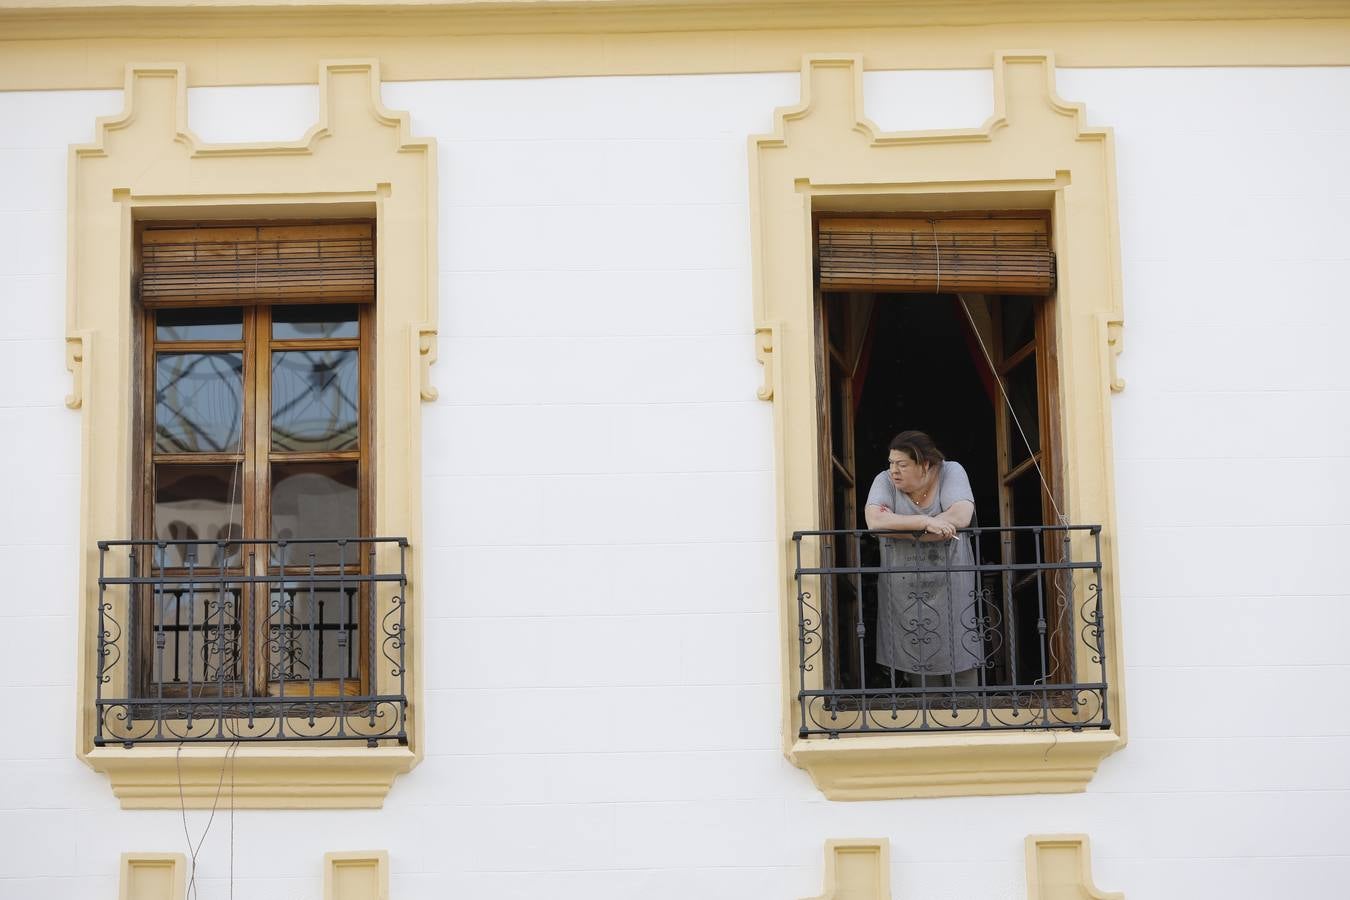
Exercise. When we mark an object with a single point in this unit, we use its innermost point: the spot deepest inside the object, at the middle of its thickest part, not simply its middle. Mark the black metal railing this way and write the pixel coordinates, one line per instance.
(1000, 629)
(252, 640)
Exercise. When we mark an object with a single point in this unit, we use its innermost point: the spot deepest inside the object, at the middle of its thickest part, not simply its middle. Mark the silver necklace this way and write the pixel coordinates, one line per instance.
(918, 500)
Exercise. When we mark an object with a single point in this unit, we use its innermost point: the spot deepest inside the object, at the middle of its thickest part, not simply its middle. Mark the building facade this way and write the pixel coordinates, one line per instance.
(441, 439)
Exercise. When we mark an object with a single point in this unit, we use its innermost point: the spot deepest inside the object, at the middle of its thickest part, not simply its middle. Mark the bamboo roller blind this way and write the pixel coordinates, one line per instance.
(258, 264)
(978, 255)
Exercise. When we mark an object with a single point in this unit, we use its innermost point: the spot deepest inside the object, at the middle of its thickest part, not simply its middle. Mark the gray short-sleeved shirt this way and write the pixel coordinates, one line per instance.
(953, 485)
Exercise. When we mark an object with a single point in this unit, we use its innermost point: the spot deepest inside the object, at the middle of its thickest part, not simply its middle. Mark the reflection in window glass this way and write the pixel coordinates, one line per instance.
(215, 323)
(315, 400)
(315, 501)
(201, 627)
(312, 632)
(299, 322)
(199, 402)
(198, 503)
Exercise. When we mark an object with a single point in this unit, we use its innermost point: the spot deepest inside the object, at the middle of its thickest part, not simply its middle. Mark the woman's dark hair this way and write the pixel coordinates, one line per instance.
(917, 446)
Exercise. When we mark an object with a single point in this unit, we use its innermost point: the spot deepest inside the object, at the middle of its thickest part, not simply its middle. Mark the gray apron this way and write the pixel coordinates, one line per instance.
(926, 619)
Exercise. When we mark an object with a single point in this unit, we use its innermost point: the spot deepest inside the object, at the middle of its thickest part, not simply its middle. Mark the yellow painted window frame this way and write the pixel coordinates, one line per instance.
(358, 161)
(1036, 152)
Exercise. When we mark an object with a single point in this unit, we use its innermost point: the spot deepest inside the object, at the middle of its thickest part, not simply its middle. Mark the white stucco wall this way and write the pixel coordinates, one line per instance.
(602, 667)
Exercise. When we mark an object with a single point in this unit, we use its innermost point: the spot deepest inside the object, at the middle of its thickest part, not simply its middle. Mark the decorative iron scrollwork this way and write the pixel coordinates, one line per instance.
(1027, 628)
(251, 650)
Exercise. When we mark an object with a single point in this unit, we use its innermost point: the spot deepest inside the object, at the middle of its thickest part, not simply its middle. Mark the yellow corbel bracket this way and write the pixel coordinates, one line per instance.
(77, 346)
(1115, 342)
(426, 357)
(766, 341)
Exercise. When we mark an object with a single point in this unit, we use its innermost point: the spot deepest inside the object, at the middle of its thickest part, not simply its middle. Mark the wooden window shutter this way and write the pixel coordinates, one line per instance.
(985, 255)
(240, 265)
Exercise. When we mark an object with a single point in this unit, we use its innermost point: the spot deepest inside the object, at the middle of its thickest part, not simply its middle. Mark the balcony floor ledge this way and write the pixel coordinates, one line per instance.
(894, 766)
(278, 776)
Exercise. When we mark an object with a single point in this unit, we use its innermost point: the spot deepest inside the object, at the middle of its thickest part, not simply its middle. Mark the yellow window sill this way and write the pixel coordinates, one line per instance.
(892, 766)
(273, 776)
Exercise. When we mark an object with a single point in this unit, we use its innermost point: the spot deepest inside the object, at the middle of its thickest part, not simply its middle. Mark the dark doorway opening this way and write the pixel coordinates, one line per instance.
(940, 364)
(924, 373)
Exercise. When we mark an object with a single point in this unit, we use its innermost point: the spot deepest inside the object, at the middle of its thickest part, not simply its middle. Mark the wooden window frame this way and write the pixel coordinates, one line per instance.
(256, 455)
(1047, 458)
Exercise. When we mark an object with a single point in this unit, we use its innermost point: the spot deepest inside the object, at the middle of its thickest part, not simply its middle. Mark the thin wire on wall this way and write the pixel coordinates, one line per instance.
(226, 762)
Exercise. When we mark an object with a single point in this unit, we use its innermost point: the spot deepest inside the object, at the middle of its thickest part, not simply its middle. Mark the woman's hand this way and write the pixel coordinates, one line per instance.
(939, 527)
(915, 528)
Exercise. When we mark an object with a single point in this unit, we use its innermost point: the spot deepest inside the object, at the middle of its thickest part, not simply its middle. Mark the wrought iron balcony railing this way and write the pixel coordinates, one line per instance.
(1000, 629)
(252, 640)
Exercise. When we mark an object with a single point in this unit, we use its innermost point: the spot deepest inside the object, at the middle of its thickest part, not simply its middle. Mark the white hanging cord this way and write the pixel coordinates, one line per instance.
(236, 501)
(998, 379)
(235, 505)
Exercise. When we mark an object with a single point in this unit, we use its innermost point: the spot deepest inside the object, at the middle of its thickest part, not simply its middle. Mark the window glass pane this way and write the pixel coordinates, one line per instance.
(839, 416)
(834, 313)
(298, 322)
(199, 402)
(215, 323)
(1033, 647)
(315, 400)
(198, 503)
(1023, 396)
(1026, 495)
(201, 631)
(1031, 601)
(312, 631)
(1019, 323)
(315, 501)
